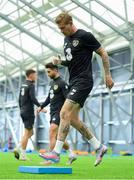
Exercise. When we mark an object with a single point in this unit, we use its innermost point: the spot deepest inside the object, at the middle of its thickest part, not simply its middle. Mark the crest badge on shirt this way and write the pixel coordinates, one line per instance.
(55, 87)
(75, 42)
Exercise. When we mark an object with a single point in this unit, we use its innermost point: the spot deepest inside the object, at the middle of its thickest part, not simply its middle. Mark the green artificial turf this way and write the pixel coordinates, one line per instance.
(116, 167)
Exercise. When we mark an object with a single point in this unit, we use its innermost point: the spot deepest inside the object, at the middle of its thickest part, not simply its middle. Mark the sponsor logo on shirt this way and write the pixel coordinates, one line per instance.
(75, 42)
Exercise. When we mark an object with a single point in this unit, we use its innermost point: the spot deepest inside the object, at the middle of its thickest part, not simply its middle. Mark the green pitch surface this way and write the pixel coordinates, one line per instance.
(120, 167)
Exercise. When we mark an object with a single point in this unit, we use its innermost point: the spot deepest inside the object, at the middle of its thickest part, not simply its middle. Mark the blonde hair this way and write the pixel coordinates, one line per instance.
(63, 17)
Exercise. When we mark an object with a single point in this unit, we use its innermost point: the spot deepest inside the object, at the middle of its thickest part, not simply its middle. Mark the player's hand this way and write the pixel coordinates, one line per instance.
(109, 81)
(38, 110)
(44, 110)
(56, 61)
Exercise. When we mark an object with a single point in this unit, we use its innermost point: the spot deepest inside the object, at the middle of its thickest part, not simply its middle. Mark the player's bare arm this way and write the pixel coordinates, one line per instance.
(105, 59)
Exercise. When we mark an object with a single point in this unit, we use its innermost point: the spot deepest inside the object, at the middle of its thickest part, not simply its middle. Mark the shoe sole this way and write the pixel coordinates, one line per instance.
(71, 161)
(27, 159)
(16, 154)
(49, 159)
(47, 163)
(104, 152)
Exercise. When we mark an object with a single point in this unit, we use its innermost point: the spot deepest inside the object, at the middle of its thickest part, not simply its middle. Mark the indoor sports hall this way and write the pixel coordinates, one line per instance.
(30, 38)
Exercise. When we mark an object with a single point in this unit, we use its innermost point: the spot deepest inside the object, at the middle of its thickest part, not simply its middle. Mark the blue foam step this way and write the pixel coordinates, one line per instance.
(45, 170)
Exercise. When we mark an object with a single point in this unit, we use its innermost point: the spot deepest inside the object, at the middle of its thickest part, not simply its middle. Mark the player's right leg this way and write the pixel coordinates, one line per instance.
(53, 131)
(65, 117)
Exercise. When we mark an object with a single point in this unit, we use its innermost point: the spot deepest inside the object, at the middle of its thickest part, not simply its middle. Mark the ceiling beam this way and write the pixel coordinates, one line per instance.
(21, 49)
(110, 10)
(22, 29)
(42, 13)
(126, 36)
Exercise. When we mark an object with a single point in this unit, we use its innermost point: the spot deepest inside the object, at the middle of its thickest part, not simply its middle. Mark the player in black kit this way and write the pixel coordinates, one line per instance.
(27, 100)
(79, 46)
(56, 97)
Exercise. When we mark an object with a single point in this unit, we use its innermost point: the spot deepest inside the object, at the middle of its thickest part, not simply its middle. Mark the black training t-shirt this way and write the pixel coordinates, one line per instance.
(78, 50)
(27, 98)
(57, 95)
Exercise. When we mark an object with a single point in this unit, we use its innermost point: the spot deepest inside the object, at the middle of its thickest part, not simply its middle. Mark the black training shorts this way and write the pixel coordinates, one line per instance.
(79, 91)
(55, 118)
(28, 120)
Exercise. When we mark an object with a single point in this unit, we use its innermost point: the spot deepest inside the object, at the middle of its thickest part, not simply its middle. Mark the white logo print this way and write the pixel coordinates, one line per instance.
(65, 45)
(22, 92)
(54, 119)
(66, 87)
(51, 93)
(73, 92)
